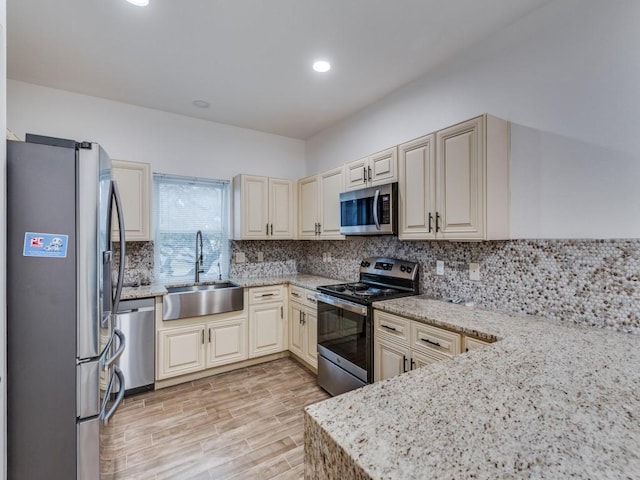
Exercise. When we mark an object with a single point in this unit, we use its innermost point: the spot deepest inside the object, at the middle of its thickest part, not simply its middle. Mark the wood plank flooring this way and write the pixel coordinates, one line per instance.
(245, 424)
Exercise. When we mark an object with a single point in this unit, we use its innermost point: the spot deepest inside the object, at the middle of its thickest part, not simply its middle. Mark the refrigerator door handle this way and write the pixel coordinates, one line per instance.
(116, 198)
(108, 363)
(105, 415)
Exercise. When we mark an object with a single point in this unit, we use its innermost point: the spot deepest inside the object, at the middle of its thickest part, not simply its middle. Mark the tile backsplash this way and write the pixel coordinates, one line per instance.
(591, 282)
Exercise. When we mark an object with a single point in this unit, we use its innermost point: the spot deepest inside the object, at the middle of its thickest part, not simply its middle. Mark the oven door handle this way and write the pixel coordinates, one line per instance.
(338, 302)
(376, 198)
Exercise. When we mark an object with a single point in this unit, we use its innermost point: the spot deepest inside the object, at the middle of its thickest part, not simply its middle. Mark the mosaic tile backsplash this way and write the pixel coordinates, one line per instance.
(593, 282)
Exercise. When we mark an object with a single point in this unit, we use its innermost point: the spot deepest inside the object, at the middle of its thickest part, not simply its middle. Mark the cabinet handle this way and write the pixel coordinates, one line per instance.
(430, 220)
(426, 340)
(388, 327)
(404, 363)
(369, 177)
(304, 318)
(295, 294)
(437, 222)
(272, 229)
(209, 335)
(281, 312)
(319, 228)
(267, 295)
(300, 317)
(413, 364)
(267, 227)
(364, 174)
(203, 337)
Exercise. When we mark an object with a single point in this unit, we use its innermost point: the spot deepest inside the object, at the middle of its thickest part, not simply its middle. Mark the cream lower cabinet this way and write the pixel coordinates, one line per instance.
(192, 348)
(303, 325)
(454, 184)
(401, 345)
(471, 343)
(267, 320)
(319, 205)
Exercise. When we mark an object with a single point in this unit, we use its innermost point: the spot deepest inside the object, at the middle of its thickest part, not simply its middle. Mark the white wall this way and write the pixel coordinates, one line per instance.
(170, 143)
(567, 78)
(3, 237)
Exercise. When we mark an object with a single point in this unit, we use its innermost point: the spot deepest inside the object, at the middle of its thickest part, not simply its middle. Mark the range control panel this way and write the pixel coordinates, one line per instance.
(390, 267)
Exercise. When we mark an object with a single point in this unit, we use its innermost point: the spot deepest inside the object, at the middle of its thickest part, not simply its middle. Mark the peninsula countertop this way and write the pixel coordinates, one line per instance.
(547, 400)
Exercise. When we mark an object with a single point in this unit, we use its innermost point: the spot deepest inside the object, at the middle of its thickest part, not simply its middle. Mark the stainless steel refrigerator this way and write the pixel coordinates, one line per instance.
(60, 300)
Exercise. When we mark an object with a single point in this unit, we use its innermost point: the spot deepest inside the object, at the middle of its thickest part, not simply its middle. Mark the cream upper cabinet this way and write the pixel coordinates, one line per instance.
(319, 205)
(134, 185)
(376, 169)
(456, 186)
(263, 208)
(416, 188)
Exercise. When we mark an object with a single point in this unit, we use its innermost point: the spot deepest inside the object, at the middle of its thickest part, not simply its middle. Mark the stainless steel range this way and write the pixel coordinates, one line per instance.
(345, 321)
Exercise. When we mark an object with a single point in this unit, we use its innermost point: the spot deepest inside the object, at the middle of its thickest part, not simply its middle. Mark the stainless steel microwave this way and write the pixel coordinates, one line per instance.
(370, 211)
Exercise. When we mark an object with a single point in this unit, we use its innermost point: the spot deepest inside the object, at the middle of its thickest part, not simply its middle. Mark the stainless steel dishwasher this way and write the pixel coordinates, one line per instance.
(136, 319)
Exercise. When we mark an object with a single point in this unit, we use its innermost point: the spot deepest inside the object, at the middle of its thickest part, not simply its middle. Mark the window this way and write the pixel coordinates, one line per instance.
(184, 205)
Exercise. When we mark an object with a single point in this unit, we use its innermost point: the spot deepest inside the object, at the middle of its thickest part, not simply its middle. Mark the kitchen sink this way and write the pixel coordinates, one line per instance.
(197, 300)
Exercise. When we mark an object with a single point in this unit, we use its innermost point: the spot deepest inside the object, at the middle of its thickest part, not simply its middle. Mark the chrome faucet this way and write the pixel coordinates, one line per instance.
(199, 260)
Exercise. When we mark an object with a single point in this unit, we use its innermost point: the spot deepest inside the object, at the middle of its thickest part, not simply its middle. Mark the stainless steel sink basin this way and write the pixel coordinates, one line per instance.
(197, 300)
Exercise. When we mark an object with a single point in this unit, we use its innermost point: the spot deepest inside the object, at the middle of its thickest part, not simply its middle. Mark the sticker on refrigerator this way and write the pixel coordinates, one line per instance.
(50, 245)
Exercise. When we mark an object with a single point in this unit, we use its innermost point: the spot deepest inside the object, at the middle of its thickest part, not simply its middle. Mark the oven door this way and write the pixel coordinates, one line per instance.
(344, 341)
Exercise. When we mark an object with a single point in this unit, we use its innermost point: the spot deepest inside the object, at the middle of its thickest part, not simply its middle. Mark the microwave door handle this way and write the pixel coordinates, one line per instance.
(123, 251)
(376, 199)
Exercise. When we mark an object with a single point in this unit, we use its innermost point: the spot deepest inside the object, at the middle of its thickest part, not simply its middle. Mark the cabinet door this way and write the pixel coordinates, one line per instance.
(473, 343)
(417, 189)
(355, 174)
(389, 359)
(180, 351)
(383, 167)
(134, 181)
(460, 164)
(420, 359)
(308, 207)
(255, 206)
(266, 329)
(331, 184)
(311, 336)
(227, 341)
(296, 335)
(281, 208)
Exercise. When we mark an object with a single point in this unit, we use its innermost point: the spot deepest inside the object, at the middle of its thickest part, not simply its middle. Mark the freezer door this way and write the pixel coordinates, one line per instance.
(88, 389)
(88, 455)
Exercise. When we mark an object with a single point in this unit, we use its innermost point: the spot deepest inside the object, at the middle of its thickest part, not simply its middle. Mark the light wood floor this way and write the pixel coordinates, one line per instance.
(246, 424)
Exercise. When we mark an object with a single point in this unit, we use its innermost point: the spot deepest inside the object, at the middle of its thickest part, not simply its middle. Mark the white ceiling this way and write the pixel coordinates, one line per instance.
(250, 59)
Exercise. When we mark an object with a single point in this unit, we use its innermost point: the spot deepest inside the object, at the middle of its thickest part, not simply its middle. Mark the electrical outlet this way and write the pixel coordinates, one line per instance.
(439, 267)
(261, 256)
(474, 272)
(324, 256)
(240, 257)
(329, 258)
(126, 261)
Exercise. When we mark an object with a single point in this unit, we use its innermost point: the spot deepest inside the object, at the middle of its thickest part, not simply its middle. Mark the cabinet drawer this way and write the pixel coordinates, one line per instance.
(273, 293)
(390, 326)
(471, 343)
(303, 296)
(428, 339)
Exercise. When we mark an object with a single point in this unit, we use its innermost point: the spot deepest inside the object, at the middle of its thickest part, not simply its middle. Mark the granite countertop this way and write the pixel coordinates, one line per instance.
(547, 400)
(301, 280)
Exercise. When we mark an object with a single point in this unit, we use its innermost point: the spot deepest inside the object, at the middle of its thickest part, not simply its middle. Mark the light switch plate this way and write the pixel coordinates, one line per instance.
(439, 267)
(474, 272)
(240, 257)
(261, 256)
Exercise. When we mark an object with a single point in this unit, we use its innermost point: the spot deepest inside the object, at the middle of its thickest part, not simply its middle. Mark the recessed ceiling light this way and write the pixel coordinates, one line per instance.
(321, 66)
(201, 104)
(139, 3)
